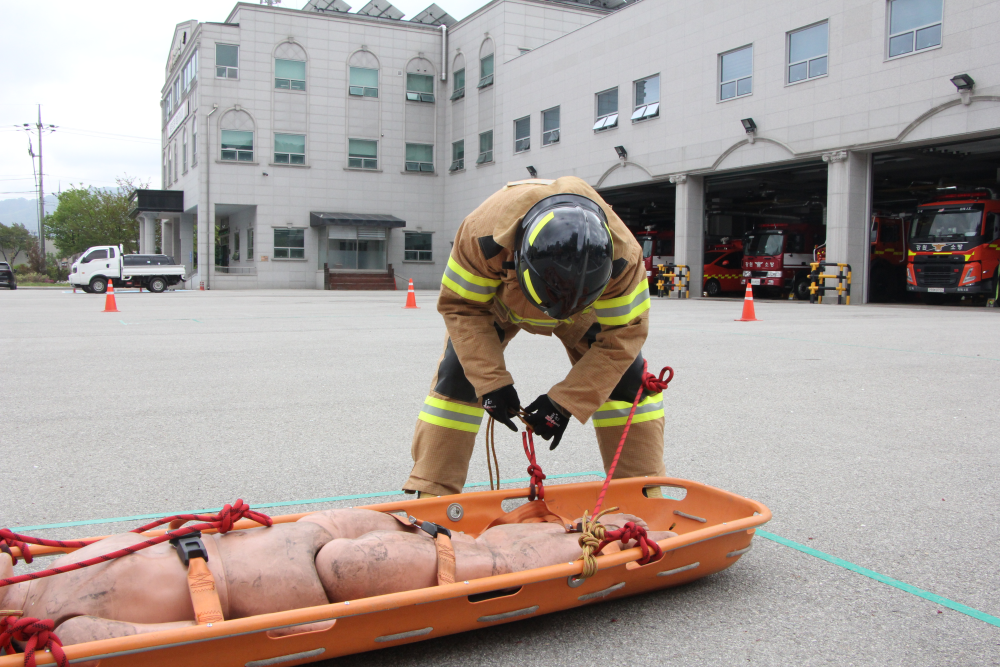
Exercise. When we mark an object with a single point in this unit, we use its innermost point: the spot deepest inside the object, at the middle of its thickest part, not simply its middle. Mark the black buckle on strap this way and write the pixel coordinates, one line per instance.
(190, 546)
(430, 527)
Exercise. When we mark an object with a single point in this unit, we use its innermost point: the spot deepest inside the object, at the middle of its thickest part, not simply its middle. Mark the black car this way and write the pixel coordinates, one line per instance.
(7, 277)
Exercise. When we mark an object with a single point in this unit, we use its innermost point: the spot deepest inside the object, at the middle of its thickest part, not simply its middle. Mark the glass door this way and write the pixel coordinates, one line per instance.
(357, 248)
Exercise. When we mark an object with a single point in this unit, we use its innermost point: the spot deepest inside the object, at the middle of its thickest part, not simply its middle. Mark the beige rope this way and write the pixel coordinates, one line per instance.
(593, 534)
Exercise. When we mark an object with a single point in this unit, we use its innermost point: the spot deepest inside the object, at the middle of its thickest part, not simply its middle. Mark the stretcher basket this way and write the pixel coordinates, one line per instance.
(714, 529)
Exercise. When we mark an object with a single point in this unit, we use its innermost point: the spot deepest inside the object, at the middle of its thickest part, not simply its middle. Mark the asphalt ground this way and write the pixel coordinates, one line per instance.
(869, 431)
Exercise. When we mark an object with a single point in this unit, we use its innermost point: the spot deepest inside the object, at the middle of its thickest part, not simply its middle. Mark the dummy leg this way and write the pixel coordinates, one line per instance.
(446, 428)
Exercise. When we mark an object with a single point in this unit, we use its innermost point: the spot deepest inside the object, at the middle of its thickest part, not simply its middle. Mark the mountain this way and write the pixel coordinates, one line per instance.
(25, 211)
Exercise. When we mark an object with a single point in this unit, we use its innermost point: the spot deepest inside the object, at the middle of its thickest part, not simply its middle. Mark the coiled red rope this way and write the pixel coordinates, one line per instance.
(222, 522)
(595, 536)
(36, 634)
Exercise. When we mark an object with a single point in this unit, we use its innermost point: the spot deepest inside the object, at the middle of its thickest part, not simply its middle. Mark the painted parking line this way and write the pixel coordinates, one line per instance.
(889, 581)
(287, 503)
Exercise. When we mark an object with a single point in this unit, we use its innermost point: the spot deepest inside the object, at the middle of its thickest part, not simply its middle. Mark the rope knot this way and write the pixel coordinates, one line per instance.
(595, 536)
(36, 634)
(8, 540)
(536, 488)
(654, 384)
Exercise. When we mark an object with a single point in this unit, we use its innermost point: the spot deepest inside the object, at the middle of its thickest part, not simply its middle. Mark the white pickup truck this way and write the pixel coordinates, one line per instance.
(103, 263)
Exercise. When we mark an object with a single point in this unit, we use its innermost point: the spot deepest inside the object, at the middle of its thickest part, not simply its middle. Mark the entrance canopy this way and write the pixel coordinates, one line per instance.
(318, 219)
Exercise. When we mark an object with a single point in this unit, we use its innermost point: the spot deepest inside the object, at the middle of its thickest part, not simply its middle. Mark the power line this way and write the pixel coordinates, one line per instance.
(96, 134)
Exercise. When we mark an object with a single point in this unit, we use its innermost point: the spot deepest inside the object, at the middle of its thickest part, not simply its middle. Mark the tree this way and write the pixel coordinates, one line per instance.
(14, 240)
(90, 216)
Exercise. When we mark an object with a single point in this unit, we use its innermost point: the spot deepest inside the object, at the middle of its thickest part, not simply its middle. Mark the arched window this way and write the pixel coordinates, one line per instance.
(420, 80)
(363, 74)
(289, 67)
(237, 129)
(458, 67)
(486, 64)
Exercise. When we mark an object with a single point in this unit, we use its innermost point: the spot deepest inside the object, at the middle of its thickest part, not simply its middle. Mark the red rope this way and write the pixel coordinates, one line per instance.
(36, 634)
(654, 385)
(222, 522)
(536, 488)
(651, 551)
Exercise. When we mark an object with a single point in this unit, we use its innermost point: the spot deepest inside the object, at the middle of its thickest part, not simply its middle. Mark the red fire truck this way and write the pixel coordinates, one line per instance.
(657, 248)
(954, 246)
(723, 268)
(776, 255)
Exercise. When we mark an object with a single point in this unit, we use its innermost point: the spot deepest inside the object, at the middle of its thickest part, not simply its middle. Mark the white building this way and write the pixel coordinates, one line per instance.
(312, 137)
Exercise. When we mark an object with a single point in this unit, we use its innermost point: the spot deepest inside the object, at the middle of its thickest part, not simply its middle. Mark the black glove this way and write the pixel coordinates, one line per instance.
(501, 404)
(546, 420)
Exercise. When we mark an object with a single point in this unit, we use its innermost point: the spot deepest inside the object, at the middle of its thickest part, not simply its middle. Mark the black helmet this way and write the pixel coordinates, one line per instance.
(563, 255)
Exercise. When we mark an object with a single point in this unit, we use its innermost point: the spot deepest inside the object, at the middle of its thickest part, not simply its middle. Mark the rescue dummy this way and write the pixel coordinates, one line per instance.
(549, 258)
(330, 556)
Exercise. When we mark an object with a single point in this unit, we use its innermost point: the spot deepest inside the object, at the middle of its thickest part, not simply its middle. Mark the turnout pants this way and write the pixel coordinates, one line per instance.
(446, 430)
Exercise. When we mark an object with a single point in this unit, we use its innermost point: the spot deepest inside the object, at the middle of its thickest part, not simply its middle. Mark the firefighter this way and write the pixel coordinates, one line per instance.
(549, 258)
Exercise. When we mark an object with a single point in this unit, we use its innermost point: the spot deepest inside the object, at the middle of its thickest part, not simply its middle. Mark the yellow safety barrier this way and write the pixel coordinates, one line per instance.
(670, 278)
(843, 287)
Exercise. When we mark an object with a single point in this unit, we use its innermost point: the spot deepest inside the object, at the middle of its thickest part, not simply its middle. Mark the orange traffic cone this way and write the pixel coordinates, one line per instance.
(748, 314)
(411, 296)
(109, 300)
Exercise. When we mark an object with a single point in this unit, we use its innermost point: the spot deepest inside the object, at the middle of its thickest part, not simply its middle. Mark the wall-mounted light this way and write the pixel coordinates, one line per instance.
(750, 127)
(964, 83)
(265, 173)
(532, 171)
(622, 153)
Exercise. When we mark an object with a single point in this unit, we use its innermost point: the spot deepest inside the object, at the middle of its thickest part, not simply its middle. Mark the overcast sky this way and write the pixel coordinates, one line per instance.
(97, 68)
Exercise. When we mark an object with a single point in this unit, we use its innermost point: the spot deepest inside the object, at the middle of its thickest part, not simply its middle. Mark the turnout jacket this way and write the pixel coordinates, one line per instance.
(480, 291)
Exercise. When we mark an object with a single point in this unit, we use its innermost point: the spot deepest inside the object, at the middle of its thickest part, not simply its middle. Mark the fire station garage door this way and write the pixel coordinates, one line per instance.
(905, 178)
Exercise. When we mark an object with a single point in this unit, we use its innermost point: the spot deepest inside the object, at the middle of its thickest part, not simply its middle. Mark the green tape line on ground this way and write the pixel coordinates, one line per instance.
(889, 581)
(287, 503)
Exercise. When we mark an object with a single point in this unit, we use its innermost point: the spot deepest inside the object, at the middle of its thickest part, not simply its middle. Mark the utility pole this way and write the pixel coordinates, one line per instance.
(41, 129)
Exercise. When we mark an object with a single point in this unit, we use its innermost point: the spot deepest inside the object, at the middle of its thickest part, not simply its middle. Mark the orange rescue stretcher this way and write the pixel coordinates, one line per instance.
(714, 528)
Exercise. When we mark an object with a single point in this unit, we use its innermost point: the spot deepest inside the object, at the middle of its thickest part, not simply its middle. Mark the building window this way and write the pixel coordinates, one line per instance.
(250, 244)
(289, 149)
(364, 82)
(237, 145)
(235, 246)
(184, 151)
(166, 168)
(419, 87)
(485, 148)
(647, 98)
(289, 74)
(417, 247)
(289, 244)
(457, 155)
(176, 161)
(607, 110)
(194, 142)
(736, 73)
(807, 52)
(362, 154)
(914, 25)
(190, 72)
(550, 126)
(522, 134)
(227, 61)
(420, 157)
(177, 92)
(459, 79)
(485, 71)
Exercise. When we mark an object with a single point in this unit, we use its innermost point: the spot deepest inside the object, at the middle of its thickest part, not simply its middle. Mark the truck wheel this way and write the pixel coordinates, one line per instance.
(157, 285)
(86, 288)
(713, 288)
(99, 285)
(801, 289)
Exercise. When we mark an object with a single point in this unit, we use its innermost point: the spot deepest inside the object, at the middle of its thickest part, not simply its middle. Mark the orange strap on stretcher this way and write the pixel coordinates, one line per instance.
(442, 544)
(201, 583)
